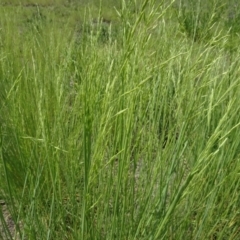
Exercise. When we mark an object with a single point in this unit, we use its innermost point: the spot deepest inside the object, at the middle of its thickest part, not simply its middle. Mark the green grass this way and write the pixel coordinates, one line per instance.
(120, 123)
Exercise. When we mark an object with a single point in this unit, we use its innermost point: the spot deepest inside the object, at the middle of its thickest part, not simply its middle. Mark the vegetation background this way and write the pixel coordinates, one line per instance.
(119, 119)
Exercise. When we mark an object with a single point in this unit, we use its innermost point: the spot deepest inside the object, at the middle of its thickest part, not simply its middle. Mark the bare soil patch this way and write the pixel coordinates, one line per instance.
(7, 224)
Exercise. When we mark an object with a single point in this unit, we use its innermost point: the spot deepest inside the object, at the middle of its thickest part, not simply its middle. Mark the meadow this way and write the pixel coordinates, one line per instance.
(120, 119)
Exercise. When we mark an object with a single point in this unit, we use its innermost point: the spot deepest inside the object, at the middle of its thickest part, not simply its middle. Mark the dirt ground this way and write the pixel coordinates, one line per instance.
(7, 221)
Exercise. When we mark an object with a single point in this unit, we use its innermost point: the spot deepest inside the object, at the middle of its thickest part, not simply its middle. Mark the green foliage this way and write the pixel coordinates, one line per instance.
(116, 125)
(200, 19)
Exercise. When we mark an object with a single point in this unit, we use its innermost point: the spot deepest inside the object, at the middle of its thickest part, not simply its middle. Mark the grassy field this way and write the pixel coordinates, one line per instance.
(119, 120)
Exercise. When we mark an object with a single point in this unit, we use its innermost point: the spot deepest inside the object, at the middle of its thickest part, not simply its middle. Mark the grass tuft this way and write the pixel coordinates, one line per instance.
(119, 120)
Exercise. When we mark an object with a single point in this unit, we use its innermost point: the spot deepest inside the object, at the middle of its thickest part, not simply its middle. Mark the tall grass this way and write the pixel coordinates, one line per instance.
(121, 130)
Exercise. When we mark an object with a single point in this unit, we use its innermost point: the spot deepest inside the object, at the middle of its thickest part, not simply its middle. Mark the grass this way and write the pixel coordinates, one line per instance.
(119, 123)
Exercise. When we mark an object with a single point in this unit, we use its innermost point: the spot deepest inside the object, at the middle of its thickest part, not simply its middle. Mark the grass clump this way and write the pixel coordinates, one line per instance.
(119, 127)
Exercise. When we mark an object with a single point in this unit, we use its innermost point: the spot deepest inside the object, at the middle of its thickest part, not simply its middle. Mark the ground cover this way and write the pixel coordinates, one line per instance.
(119, 120)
